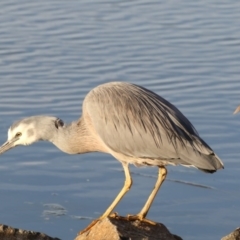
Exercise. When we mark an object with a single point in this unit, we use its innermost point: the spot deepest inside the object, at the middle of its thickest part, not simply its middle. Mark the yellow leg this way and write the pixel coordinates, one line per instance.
(127, 185)
(162, 173)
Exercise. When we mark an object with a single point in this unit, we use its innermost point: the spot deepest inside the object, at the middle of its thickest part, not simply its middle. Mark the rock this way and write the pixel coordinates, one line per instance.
(235, 235)
(119, 229)
(9, 233)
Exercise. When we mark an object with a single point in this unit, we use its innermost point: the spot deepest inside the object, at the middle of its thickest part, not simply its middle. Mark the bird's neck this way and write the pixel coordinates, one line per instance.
(75, 138)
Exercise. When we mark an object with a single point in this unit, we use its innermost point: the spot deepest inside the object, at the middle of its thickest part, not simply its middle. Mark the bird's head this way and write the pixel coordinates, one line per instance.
(237, 110)
(30, 130)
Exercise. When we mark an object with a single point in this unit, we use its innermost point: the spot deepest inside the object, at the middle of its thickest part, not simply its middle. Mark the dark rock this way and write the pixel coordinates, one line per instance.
(10, 233)
(235, 235)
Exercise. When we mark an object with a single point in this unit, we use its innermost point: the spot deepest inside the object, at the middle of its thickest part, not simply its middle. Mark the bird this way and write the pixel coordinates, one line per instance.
(237, 110)
(131, 123)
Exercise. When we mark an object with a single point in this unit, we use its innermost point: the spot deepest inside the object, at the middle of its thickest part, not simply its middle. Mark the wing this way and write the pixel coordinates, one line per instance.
(137, 122)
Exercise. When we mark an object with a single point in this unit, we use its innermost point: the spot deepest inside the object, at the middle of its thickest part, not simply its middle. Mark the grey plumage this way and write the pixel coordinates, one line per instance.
(138, 123)
(129, 122)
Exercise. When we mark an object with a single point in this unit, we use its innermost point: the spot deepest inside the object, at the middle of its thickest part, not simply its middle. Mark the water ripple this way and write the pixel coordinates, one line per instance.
(53, 53)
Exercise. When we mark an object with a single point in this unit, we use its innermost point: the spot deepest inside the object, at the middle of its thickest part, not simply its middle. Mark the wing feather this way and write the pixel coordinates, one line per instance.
(136, 122)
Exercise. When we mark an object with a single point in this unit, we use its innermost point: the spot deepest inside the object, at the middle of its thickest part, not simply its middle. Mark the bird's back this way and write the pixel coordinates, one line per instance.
(138, 123)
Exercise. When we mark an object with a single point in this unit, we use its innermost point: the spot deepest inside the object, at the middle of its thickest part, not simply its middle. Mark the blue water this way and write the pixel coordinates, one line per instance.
(53, 52)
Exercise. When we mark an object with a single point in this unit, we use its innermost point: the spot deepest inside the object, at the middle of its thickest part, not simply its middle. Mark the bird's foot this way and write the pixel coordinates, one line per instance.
(89, 226)
(141, 218)
(138, 217)
(114, 215)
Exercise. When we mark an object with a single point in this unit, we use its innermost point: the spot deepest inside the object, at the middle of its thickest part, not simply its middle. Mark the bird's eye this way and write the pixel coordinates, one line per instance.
(59, 123)
(18, 134)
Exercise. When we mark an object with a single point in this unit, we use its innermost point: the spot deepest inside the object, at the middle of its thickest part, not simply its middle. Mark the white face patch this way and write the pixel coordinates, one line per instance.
(9, 134)
(26, 134)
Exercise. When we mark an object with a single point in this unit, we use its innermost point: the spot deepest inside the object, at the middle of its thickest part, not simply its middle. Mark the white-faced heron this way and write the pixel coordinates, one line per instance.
(133, 124)
(237, 110)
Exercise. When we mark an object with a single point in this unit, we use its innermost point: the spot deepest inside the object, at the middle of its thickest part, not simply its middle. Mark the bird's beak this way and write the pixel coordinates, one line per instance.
(8, 145)
(237, 110)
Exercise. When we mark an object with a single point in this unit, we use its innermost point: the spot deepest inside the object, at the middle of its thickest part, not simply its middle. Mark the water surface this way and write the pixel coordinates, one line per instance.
(53, 53)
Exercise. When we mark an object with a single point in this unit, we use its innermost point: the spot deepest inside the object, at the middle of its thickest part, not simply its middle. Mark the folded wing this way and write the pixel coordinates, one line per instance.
(134, 121)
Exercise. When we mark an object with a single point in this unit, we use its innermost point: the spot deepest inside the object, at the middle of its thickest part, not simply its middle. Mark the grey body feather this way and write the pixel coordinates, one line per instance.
(138, 123)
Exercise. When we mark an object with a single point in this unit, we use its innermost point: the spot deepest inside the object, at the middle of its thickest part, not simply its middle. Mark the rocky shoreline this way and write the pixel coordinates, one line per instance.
(108, 229)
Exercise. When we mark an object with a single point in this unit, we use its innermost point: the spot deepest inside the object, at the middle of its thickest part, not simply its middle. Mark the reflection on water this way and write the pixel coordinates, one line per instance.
(53, 53)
